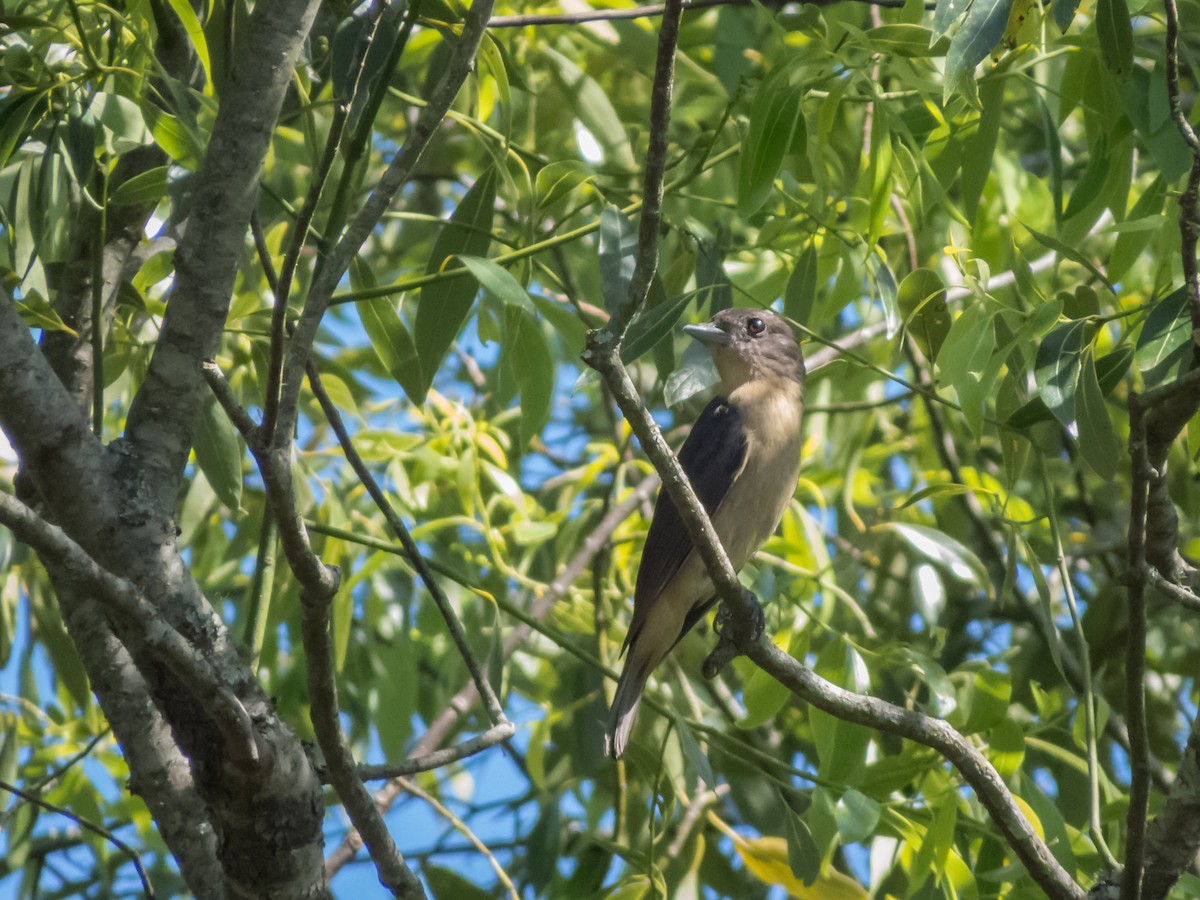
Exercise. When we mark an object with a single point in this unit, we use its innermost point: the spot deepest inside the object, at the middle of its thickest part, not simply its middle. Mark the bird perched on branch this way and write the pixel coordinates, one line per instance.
(742, 458)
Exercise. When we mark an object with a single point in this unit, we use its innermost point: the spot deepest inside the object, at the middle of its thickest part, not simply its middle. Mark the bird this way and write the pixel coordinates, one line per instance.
(743, 460)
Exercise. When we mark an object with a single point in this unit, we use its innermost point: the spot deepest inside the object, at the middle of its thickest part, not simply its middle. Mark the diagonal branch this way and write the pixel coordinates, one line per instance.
(396, 175)
(424, 751)
(318, 584)
(161, 422)
(490, 701)
(140, 617)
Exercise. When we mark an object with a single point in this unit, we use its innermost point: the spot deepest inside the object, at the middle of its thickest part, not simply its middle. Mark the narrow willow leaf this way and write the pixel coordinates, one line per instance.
(801, 291)
(533, 366)
(1056, 371)
(1116, 35)
(1164, 347)
(219, 454)
(980, 31)
(393, 345)
(445, 305)
(776, 126)
(618, 256)
(921, 299)
(1098, 442)
(497, 279)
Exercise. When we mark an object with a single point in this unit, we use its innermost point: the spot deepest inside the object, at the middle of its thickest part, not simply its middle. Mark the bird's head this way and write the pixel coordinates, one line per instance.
(750, 344)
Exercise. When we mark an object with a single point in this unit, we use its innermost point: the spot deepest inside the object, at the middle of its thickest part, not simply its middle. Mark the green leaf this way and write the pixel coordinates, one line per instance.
(445, 305)
(651, 325)
(841, 746)
(1092, 181)
(885, 285)
(1070, 253)
(15, 113)
(804, 857)
(618, 257)
(174, 137)
(557, 179)
(590, 103)
(1064, 12)
(1098, 442)
(942, 550)
(1164, 346)
(980, 31)
(533, 365)
(145, 188)
(1116, 35)
(446, 884)
(981, 147)
(219, 454)
(921, 299)
(195, 33)
(801, 292)
(946, 14)
(393, 345)
(1110, 369)
(498, 280)
(1056, 370)
(776, 126)
(856, 815)
(692, 752)
(37, 312)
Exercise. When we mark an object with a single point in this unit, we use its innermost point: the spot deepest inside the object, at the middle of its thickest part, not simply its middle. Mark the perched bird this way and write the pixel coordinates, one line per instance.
(742, 458)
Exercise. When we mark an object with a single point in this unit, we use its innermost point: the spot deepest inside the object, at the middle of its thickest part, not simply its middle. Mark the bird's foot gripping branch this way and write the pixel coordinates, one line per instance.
(737, 631)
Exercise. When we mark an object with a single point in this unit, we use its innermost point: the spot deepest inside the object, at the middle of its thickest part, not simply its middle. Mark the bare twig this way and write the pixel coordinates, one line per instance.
(396, 175)
(143, 620)
(440, 758)
(441, 727)
(287, 271)
(1177, 592)
(490, 701)
(86, 825)
(648, 11)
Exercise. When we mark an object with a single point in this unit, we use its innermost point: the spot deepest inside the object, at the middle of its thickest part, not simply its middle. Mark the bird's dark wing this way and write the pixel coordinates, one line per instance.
(712, 457)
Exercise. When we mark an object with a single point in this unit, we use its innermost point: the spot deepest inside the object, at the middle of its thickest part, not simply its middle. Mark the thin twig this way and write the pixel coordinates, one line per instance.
(134, 611)
(87, 825)
(490, 701)
(1176, 592)
(291, 259)
(440, 728)
(656, 162)
(462, 828)
(650, 10)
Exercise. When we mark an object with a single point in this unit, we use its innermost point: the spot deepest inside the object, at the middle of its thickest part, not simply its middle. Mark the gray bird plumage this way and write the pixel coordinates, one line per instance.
(742, 458)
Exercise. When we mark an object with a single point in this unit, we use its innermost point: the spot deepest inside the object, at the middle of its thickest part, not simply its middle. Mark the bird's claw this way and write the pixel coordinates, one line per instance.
(736, 634)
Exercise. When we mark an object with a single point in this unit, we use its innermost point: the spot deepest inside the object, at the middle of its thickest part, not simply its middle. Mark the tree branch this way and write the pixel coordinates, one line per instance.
(445, 723)
(650, 10)
(396, 175)
(491, 702)
(141, 619)
(161, 422)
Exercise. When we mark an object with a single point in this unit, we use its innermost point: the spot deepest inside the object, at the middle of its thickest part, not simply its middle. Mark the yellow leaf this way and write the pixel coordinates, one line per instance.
(1027, 810)
(767, 860)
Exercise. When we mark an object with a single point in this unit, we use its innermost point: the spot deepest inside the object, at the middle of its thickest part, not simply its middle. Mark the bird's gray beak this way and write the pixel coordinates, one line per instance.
(709, 334)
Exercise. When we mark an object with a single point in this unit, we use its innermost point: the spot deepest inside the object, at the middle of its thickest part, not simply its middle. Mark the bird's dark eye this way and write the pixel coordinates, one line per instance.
(756, 326)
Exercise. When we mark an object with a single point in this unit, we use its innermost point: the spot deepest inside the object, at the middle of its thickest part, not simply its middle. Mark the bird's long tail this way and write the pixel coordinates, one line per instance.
(624, 708)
